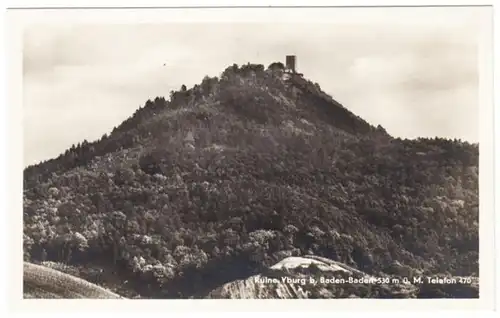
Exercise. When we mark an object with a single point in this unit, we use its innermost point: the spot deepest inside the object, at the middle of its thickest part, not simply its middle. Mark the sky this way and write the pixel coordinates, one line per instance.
(416, 77)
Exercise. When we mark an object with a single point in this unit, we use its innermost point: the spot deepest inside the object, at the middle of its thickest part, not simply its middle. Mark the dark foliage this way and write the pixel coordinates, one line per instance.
(216, 183)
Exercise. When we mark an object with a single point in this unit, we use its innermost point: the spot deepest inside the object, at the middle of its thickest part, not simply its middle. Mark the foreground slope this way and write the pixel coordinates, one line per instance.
(44, 282)
(317, 277)
(232, 176)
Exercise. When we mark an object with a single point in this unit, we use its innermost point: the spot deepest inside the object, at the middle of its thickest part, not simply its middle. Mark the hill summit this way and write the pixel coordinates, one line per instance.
(227, 178)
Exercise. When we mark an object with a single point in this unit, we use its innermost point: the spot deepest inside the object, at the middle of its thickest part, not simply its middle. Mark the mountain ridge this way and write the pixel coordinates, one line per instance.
(86, 149)
(237, 173)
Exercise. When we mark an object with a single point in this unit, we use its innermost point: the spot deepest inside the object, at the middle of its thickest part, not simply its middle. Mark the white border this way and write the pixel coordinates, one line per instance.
(232, 3)
(15, 20)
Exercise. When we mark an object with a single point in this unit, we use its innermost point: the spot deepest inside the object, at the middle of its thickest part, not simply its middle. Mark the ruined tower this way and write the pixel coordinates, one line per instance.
(290, 63)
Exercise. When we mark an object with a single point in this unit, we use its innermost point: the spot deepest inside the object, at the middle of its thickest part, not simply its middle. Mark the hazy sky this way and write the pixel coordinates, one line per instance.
(413, 79)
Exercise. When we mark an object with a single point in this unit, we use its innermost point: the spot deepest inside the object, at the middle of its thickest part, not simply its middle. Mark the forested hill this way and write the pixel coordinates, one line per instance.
(268, 99)
(233, 175)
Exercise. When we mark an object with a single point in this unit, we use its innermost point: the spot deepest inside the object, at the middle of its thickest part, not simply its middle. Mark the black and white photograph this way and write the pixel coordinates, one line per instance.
(281, 158)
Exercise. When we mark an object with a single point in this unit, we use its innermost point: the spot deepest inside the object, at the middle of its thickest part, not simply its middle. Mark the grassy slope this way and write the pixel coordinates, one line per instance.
(44, 282)
(237, 173)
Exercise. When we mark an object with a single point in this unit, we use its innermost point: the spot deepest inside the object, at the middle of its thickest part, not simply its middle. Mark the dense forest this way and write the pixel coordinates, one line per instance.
(228, 177)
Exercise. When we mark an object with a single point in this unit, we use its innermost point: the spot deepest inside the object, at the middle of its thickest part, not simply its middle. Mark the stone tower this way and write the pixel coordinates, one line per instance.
(291, 63)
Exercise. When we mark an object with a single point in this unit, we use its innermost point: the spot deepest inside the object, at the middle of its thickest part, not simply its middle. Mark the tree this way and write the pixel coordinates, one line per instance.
(276, 66)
